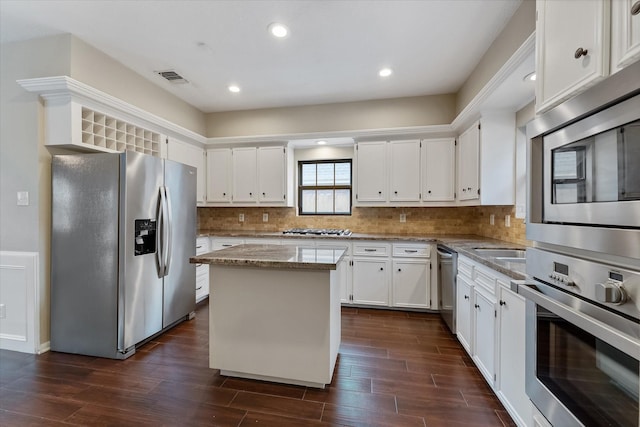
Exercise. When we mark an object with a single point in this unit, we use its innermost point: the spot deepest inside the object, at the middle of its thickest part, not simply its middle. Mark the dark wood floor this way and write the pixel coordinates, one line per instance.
(394, 369)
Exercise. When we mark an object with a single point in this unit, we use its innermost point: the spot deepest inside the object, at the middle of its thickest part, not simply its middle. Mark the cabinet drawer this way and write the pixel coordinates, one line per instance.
(371, 249)
(202, 245)
(411, 250)
(486, 280)
(465, 268)
(201, 270)
(225, 243)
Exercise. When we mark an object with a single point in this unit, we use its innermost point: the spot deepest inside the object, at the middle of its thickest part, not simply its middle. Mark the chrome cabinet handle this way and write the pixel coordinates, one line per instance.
(198, 247)
(466, 297)
(580, 52)
(381, 269)
(476, 306)
(370, 250)
(411, 251)
(635, 9)
(502, 302)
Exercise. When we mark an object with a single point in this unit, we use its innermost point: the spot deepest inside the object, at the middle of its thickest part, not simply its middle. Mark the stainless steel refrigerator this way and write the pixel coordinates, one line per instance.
(123, 230)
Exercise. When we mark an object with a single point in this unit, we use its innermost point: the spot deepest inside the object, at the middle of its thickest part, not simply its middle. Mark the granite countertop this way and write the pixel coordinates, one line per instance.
(274, 256)
(462, 244)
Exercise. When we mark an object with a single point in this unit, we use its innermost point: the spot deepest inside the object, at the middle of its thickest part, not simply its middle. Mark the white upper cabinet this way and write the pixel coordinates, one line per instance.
(572, 48)
(219, 175)
(486, 160)
(625, 33)
(245, 174)
(371, 167)
(468, 162)
(191, 155)
(405, 171)
(272, 174)
(439, 165)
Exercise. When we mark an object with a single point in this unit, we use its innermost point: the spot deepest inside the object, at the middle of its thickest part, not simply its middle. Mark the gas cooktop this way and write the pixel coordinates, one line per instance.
(318, 231)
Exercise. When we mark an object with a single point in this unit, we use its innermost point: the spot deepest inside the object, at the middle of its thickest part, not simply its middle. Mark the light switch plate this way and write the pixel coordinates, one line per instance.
(241, 217)
(403, 217)
(23, 198)
(265, 217)
(492, 219)
(507, 221)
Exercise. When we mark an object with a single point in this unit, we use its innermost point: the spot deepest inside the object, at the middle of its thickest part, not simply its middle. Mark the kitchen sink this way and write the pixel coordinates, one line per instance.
(501, 253)
(520, 260)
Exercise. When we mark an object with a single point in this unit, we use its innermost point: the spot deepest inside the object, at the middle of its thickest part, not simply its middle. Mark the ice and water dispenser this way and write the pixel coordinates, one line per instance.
(145, 236)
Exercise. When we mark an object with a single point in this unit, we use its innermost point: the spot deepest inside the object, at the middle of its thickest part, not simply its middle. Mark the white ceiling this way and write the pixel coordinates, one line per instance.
(333, 53)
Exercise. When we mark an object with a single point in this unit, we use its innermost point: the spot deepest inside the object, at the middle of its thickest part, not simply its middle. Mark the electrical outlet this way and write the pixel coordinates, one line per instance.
(23, 198)
(507, 221)
(492, 219)
(241, 217)
(265, 217)
(403, 217)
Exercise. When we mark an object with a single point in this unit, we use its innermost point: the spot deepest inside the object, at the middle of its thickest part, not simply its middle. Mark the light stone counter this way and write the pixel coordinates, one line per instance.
(274, 256)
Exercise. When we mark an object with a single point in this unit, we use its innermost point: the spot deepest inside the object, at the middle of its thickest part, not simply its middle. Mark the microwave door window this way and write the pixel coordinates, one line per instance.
(569, 183)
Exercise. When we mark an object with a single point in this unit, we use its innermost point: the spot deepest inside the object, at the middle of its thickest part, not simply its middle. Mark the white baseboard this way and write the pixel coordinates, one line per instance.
(19, 316)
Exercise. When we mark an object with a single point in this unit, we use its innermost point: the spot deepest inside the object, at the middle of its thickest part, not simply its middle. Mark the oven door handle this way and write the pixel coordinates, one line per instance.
(613, 337)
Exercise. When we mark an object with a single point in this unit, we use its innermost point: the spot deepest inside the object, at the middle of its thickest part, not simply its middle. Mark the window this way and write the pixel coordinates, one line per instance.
(324, 187)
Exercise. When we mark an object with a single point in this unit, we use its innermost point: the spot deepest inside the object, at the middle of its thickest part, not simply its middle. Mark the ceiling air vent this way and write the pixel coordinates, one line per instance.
(172, 77)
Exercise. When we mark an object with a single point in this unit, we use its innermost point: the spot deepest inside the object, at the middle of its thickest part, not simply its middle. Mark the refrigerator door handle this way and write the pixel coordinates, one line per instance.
(161, 234)
(168, 235)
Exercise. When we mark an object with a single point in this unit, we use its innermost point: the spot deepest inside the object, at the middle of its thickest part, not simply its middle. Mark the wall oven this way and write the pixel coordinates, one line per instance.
(583, 285)
(583, 340)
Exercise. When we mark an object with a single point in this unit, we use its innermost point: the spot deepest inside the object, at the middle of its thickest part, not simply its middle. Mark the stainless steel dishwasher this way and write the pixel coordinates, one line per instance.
(447, 271)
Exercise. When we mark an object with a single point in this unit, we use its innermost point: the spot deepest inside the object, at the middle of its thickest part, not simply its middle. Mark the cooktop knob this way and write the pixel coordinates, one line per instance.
(610, 292)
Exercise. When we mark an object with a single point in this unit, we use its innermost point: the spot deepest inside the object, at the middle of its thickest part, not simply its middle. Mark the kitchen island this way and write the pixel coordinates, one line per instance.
(274, 312)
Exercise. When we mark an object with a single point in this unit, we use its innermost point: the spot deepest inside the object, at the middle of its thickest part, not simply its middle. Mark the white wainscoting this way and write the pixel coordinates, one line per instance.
(19, 321)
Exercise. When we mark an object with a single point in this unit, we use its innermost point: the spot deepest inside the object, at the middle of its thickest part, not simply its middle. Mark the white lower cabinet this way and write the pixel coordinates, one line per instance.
(484, 333)
(511, 354)
(371, 281)
(490, 325)
(344, 270)
(411, 277)
(463, 312)
(202, 270)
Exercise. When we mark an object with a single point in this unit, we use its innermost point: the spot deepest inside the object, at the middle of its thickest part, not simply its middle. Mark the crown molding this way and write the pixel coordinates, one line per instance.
(61, 87)
(358, 135)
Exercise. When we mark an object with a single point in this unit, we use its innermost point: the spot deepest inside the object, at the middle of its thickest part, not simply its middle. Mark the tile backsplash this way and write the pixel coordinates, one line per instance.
(449, 220)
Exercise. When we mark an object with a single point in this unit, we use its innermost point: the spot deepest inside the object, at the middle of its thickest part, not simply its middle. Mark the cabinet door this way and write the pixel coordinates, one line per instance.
(271, 174)
(468, 163)
(439, 169)
(371, 171)
(484, 335)
(410, 284)
(191, 155)
(219, 175)
(511, 356)
(572, 48)
(244, 174)
(625, 34)
(371, 281)
(463, 312)
(405, 171)
(346, 288)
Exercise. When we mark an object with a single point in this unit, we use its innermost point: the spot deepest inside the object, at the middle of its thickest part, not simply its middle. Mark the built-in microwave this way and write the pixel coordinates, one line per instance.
(584, 170)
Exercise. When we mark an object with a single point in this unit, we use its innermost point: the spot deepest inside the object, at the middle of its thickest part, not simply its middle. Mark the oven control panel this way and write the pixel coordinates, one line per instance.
(608, 285)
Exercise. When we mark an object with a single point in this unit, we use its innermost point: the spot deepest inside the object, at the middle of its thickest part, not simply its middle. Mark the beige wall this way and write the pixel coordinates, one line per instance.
(375, 114)
(25, 165)
(519, 28)
(420, 221)
(104, 73)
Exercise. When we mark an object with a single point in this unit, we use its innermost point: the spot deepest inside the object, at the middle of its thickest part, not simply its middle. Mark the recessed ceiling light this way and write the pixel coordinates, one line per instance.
(278, 30)
(234, 89)
(385, 72)
(531, 77)
(321, 142)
